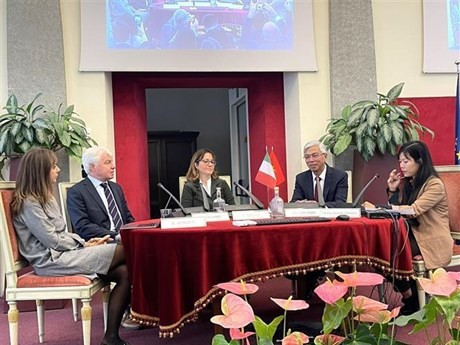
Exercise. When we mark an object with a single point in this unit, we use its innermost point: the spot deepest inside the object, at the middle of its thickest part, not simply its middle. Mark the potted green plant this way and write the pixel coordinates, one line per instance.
(375, 126)
(31, 125)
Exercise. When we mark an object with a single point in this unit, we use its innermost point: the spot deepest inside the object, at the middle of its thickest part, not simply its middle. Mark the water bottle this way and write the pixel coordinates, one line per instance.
(277, 205)
(218, 205)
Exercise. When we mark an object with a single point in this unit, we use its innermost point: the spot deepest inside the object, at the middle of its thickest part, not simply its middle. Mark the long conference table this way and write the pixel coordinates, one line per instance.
(174, 272)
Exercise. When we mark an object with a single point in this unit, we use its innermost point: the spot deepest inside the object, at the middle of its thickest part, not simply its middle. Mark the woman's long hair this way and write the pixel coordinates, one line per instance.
(33, 179)
(192, 173)
(418, 151)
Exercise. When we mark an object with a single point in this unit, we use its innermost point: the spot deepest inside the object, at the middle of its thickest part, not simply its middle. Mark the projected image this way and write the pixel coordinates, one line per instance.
(200, 24)
(453, 22)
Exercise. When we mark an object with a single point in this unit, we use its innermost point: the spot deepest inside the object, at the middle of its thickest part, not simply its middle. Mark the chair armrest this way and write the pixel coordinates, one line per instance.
(455, 235)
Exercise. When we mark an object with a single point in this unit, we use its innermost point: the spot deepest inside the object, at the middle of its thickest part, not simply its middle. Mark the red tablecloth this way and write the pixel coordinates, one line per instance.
(173, 272)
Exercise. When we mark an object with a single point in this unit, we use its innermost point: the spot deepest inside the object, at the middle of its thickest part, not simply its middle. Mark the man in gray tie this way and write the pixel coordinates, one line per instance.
(332, 182)
(97, 206)
(321, 183)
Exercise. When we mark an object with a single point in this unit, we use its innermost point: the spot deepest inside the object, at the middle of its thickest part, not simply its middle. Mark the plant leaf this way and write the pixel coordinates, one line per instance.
(394, 92)
(342, 144)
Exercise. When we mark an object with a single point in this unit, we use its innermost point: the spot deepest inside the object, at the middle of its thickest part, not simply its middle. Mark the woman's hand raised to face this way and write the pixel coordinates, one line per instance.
(394, 180)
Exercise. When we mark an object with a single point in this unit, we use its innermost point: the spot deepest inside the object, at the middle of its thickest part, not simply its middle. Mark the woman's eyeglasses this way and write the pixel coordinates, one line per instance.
(207, 161)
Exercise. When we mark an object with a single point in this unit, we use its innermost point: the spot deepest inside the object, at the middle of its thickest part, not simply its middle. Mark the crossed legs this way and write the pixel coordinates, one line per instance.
(119, 297)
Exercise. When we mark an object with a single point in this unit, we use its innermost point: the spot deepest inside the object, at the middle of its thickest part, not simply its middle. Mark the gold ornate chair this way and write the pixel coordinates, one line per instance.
(29, 286)
(450, 175)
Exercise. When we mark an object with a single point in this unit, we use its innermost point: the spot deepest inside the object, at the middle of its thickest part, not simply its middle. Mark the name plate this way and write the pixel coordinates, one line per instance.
(322, 212)
(251, 214)
(212, 216)
(182, 222)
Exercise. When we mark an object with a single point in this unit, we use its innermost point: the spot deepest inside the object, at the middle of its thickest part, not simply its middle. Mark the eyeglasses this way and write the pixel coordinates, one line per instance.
(207, 161)
(315, 155)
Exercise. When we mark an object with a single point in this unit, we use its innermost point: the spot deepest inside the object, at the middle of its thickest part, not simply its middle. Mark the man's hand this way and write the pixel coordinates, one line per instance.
(97, 241)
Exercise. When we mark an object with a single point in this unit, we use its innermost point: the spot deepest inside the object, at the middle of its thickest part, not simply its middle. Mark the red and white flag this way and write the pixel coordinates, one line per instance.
(277, 169)
(266, 174)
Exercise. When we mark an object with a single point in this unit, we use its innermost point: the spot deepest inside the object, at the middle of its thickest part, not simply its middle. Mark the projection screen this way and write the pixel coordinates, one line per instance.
(441, 35)
(197, 35)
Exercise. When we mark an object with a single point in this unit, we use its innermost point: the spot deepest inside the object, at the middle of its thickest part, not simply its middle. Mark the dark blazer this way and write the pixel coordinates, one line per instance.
(192, 195)
(335, 187)
(87, 212)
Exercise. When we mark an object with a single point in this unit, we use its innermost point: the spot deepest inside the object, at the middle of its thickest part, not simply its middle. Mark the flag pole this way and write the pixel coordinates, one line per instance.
(457, 116)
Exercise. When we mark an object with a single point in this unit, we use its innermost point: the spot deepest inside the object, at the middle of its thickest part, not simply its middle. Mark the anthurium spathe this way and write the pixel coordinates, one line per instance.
(440, 284)
(239, 288)
(331, 291)
(355, 279)
(290, 304)
(362, 304)
(295, 338)
(378, 316)
(236, 334)
(237, 312)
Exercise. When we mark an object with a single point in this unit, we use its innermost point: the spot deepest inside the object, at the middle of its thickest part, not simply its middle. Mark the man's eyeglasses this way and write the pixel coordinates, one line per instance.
(313, 155)
(207, 161)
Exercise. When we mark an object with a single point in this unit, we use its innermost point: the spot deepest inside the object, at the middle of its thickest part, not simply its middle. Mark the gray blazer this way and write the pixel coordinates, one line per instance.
(50, 249)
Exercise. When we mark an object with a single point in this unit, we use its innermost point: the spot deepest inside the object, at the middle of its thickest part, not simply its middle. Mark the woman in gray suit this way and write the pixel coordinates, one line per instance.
(51, 250)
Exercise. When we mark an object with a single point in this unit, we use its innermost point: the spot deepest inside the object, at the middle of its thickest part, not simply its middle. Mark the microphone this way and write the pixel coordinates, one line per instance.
(171, 196)
(256, 201)
(356, 201)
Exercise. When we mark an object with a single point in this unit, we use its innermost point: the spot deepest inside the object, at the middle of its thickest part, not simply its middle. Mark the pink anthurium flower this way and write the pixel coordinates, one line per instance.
(290, 304)
(295, 338)
(240, 288)
(454, 275)
(331, 292)
(237, 312)
(329, 339)
(236, 334)
(378, 316)
(440, 284)
(362, 304)
(355, 279)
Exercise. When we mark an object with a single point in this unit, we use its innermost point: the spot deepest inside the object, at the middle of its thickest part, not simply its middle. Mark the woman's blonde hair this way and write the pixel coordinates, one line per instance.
(33, 178)
(192, 173)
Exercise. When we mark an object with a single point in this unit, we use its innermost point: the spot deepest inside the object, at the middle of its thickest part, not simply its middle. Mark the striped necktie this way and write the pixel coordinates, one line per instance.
(113, 210)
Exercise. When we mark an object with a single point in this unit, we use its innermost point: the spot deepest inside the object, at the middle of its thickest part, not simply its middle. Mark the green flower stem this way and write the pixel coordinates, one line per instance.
(380, 334)
(353, 293)
(247, 301)
(284, 323)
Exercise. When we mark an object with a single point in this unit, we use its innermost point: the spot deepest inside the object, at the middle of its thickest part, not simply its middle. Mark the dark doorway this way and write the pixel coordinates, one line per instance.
(265, 114)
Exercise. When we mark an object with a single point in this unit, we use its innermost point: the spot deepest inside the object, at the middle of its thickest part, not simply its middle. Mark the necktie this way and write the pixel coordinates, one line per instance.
(319, 192)
(113, 211)
(205, 198)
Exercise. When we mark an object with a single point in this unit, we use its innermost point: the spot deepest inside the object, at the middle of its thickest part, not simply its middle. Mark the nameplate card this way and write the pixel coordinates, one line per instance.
(182, 222)
(251, 214)
(322, 212)
(212, 216)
